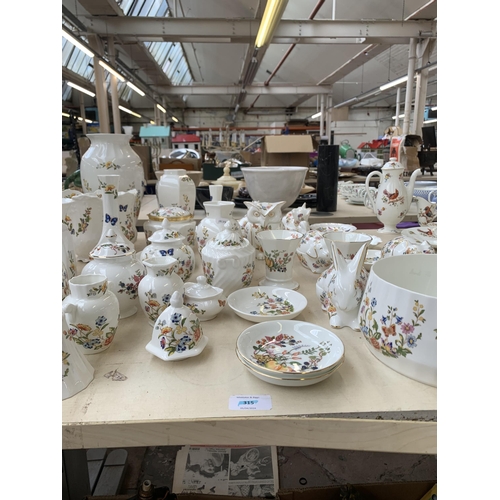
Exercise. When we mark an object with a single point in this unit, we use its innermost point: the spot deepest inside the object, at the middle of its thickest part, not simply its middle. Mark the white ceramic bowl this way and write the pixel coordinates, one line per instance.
(266, 303)
(296, 347)
(271, 184)
(398, 315)
(326, 227)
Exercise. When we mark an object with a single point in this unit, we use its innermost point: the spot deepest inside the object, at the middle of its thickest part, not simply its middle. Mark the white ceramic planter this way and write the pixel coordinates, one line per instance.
(398, 315)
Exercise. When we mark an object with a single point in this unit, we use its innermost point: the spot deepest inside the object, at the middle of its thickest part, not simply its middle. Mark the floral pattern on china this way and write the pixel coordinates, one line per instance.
(274, 306)
(394, 337)
(286, 354)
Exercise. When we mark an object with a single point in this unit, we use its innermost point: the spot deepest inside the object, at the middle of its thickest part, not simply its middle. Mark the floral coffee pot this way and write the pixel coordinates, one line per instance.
(393, 198)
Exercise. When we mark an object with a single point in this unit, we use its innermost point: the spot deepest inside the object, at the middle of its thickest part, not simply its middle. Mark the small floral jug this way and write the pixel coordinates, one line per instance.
(177, 333)
(157, 287)
(91, 312)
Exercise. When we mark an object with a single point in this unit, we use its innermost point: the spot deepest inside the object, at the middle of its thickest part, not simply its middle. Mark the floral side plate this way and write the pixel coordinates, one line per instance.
(422, 233)
(289, 346)
(266, 303)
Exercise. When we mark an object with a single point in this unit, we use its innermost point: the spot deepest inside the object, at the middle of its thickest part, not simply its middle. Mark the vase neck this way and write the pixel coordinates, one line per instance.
(90, 286)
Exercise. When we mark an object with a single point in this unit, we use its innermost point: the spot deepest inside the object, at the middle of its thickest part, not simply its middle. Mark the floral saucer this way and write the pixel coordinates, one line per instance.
(293, 347)
(266, 303)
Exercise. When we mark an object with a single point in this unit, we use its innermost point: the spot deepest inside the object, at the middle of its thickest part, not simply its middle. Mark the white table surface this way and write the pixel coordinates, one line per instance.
(363, 406)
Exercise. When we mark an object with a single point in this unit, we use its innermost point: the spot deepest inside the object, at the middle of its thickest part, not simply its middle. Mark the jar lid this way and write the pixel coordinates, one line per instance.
(110, 248)
(230, 236)
(170, 213)
(166, 233)
(201, 289)
(393, 163)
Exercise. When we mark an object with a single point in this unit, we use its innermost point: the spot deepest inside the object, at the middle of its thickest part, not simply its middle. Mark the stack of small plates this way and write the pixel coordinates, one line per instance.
(290, 353)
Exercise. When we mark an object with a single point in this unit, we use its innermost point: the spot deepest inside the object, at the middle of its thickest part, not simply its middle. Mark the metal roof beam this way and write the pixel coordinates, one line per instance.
(251, 89)
(245, 30)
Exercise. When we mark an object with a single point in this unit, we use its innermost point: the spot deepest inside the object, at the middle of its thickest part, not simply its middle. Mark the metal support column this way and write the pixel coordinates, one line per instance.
(409, 85)
(82, 114)
(322, 118)
(398, 105)
(117, 123)
(100, 86)
(426, 46)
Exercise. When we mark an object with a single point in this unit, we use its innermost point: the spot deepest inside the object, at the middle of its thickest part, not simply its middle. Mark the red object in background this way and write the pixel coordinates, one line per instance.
(186, 138)
(379, 143)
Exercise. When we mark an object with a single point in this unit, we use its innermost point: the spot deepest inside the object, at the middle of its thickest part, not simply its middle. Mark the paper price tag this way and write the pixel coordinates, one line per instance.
(250, 402)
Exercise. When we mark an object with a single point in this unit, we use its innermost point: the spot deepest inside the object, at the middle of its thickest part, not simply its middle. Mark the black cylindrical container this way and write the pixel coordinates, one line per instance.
(328, 178)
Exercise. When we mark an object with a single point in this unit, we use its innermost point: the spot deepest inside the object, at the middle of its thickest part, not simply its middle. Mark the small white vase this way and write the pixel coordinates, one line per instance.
(158, 286)
(112, 154)
(176, 189)
(77, 372)
(217, 213)
(91, 312)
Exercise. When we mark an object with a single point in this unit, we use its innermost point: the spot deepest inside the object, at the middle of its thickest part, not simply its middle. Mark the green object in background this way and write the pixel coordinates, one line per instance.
(74, 178)
(344, 149)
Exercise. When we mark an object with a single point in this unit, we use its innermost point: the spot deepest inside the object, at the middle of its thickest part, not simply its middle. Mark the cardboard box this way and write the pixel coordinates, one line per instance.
(286, 150)
(144, 153)
(185, 163)
(253, 158)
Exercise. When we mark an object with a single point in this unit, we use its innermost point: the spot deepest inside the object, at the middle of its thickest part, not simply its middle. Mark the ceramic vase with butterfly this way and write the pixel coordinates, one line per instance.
(114, 256)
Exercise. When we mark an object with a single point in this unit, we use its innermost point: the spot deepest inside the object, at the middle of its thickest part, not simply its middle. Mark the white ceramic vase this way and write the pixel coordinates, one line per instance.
(157, 287)
(228, 259)
(217, 213)
(77, 372)
(393, 198)
(91, 311)
(176, 189)
(177, 333)
(340, 288)
(112, 154)
(169, 242)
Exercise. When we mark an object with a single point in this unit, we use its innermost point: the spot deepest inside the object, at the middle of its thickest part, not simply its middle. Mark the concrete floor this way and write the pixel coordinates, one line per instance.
(298, 467)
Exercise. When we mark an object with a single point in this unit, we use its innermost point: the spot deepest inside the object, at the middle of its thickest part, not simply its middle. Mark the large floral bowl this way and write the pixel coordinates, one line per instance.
(398, 315)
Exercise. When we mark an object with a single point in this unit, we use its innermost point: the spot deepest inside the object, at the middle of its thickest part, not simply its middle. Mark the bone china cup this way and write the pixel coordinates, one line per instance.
(398, 315)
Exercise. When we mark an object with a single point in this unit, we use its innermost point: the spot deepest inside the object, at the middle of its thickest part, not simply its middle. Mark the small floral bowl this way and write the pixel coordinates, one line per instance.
(398, 315)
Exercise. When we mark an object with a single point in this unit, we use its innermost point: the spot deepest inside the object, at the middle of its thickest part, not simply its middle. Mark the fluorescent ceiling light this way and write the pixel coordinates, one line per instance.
(86, 120)
(161, 108)
(270, 19)
(316, 115)
(434, 120)
(400, 116)
(152, 122)
(81, 89)
(434, 108)
(77, 44)
(175, 119)
(137, 89)
(394, 83)
(111, 70)
(130, 112)
(65, 114)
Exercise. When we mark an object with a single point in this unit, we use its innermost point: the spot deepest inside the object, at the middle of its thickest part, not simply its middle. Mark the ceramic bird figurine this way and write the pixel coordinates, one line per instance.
(260, 216)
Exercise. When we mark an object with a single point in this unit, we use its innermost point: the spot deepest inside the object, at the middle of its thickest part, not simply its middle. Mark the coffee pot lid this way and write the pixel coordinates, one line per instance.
(230, 236)
(393, 163)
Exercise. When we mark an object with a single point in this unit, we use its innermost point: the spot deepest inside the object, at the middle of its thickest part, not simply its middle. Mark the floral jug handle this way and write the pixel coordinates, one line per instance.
(367, 185)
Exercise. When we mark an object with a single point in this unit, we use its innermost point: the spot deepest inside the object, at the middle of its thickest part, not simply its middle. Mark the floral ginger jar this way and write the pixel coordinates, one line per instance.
(91, 312)
(205, 300)
(177, 333)
(180, 219)
(217, 213)
(168, 241)
(157, 287)
(229, 259)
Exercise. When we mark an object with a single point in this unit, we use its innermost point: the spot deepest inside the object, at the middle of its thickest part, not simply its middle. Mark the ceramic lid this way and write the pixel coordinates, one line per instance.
(111, 248)
(230, 236)
(201, 289)
(170, 213)
(166, 233)
(393, 163)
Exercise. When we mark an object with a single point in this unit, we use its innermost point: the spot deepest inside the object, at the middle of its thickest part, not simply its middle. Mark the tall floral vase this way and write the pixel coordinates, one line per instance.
(91, 312)
(113, 154)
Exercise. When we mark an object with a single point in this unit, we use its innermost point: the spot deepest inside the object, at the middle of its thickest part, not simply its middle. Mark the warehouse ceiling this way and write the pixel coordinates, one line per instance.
(337, 48)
